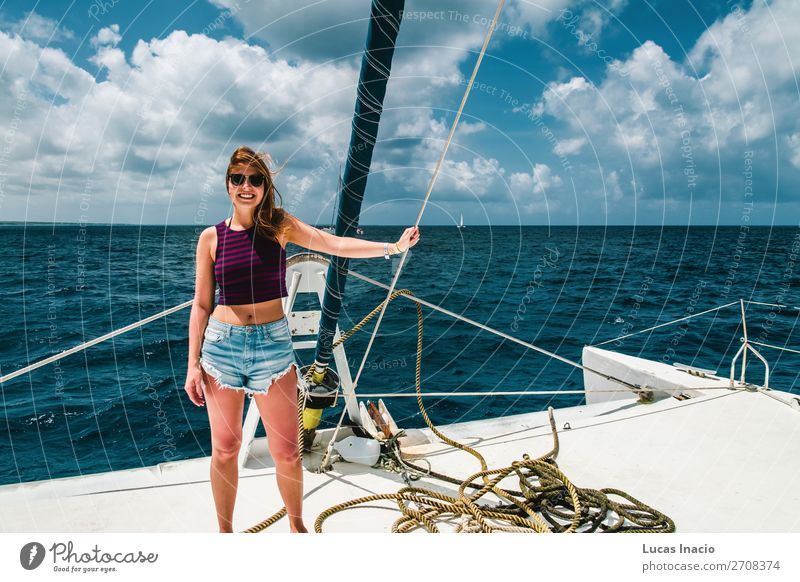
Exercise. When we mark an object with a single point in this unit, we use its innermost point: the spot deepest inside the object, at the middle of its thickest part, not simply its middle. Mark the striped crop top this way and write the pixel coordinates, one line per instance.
(248, 269)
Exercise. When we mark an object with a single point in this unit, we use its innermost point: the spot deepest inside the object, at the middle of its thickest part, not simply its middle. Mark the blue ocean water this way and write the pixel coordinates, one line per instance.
(121, 404)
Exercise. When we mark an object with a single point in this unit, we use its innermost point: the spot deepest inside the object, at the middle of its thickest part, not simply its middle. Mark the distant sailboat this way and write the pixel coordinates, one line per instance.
(461, 223)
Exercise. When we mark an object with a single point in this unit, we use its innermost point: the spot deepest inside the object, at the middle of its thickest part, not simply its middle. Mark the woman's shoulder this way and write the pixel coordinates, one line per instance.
(208, 239)
(209, 233)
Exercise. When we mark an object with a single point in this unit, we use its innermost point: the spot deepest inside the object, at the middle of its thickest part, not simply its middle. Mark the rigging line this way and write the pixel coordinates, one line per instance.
(523, 343)
(695, 315)
(770, 304)
(416, 224)
(664, 324)
(431, 184)
(775, 347)
(95, 341)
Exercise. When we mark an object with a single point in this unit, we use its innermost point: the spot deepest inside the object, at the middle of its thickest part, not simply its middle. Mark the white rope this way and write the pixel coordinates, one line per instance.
(416, 223)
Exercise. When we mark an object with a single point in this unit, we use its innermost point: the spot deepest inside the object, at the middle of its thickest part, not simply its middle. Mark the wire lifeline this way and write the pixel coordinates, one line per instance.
(142, 322)
(732, 303)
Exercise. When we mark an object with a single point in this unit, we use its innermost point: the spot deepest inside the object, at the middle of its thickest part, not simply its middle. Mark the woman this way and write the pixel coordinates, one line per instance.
(243, 345)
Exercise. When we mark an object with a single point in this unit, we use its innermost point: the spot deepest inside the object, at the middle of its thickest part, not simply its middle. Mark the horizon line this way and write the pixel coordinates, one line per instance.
(450, 225)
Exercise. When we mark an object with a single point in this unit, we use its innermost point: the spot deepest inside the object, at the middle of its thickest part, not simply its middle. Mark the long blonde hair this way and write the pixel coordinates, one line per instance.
(270, 218)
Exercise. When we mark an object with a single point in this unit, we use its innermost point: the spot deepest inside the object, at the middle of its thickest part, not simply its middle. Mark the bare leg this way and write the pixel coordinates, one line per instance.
(225, 408)
(278, 410)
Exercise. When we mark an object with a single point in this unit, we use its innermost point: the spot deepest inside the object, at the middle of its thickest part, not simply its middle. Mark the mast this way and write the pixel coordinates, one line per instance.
(376, 65)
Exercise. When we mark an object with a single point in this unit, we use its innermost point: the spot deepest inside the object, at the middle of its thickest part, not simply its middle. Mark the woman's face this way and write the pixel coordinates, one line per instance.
(245, 194)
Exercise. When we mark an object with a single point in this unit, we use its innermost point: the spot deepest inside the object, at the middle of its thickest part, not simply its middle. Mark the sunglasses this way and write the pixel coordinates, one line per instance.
(256, 180)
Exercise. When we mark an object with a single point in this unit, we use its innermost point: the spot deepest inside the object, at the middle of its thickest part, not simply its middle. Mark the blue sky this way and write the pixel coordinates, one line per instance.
(584, 112)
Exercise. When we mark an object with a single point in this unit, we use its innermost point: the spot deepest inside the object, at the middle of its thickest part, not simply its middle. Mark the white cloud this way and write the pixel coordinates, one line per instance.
(430, 51)
(543, 179)
(476, 176)
(664, 119)
(586, 20)
(108, 35)
(176, 106)
(423, 137)
(569, 147)
(793, 141)
(612, 186)
(151, 135)
(39, 28)
(321, 31)
(592, 23)
(536, 190)
(748, 61)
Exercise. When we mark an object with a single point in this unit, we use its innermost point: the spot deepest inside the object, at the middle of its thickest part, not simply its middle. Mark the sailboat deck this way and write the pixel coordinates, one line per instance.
(720, 463)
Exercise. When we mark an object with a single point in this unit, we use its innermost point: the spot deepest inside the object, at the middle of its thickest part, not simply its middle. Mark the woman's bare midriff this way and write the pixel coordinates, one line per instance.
(252, 314)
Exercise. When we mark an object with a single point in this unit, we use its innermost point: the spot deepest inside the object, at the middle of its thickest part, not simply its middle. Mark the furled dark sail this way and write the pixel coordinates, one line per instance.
(375, 68)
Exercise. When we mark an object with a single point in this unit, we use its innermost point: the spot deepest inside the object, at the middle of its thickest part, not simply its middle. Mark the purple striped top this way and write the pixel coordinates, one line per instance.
(248, 269)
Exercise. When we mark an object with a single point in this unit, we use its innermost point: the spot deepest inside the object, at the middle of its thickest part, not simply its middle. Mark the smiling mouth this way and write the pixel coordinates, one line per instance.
(247, 196)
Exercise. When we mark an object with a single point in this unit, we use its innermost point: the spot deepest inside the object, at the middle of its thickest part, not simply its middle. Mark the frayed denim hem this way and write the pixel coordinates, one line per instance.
(301, 383)
(217, 375)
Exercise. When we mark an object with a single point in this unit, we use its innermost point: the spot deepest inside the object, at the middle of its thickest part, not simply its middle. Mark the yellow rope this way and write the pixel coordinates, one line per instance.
(547, 500)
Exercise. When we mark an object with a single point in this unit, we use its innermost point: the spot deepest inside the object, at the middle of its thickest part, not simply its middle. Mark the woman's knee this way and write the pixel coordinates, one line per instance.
(285, 453)
(226, 446)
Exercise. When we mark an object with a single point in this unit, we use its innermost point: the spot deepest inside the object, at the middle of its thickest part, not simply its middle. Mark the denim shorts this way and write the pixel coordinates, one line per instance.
(248, 357)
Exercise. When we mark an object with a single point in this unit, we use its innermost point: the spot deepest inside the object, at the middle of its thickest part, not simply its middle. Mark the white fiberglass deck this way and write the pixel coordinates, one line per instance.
(726, 462)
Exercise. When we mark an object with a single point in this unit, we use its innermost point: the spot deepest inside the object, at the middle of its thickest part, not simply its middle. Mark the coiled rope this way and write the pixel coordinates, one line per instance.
(546, 502)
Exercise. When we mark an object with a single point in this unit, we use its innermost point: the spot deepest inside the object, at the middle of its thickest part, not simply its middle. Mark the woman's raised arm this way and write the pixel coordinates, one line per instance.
(306, 236)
